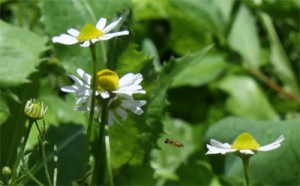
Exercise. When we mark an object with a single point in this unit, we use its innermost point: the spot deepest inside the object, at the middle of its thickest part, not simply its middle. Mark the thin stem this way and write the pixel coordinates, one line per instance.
(108, 156)
(99, 169)
(55, 168)
(42, 143)
(246, 167)
(20, 155)
(28, 173)
(257, 73)
(91, 116)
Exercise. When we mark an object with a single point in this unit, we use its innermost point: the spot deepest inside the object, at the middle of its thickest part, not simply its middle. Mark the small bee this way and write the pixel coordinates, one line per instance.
(175, 143)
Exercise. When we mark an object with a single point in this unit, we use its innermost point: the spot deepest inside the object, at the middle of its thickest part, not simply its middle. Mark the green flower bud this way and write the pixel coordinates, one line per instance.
(35, 110)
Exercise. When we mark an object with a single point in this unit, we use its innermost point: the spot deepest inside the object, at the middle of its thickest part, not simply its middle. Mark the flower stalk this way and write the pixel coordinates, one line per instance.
(108, 156)
(91, 116)
(246, 168)
(100, 163)
(21, 152)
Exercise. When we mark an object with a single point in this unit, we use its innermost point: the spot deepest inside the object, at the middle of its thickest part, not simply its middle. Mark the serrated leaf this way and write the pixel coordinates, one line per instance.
(246, 98)
(19, 53)
(244, 38)
(266, 168)
(157, 101)
(201, 73)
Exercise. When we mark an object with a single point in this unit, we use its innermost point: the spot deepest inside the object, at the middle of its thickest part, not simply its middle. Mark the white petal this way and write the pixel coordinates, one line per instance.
(65, 39)
(73, 32)
(85, 44)
(216, 150)
(218, 144)
(101, 24)
(122, 113)
(69, 89)
(104, 95)
(85, 76)
(273, 145)
(111, 26)
(111, 35)
(247, 151)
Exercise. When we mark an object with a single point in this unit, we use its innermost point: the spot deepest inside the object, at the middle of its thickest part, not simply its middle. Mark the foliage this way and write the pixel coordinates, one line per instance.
(212, 69)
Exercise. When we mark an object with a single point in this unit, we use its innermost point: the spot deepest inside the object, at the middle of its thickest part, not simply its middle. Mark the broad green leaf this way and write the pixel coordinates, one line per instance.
(246, 98)
(19, 53)
(174, 67)
(79, 14)
(167, 158)
(278, 57)
(205, 14)
(201, 73)
(244, 38)
(276, 167)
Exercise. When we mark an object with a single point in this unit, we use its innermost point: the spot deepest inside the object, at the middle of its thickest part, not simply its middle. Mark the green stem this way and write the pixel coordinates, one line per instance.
(20, 155)
(91, 116)
(99, 169)
(28, 173)
(42, 143)
(246, 168)
(108, 156)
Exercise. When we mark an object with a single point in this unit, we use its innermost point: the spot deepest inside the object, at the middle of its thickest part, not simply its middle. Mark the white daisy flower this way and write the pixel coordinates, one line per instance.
(90, 34)
(108, 84)
(243, 144)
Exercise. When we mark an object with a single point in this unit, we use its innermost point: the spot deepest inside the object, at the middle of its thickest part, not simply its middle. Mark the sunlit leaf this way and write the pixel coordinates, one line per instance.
(244, 38)
(19, 53)
(246, 98)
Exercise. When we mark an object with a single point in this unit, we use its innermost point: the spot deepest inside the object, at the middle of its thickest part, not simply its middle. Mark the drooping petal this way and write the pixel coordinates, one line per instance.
(73, 32)
(111, 26)
(273, 145)
(216, 150)
(247, 151)
(101, 24)
(69, 88)
(85, 44)
(85, 76)
(65, 39)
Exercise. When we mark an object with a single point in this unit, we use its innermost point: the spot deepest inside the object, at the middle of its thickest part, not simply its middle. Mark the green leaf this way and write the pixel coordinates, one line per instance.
(201, 73)
(167, 158)
(19, 53)
(277, 167)
(246, 98)
(278, 57)
(79, 14)
(244, 38)
(157, 100)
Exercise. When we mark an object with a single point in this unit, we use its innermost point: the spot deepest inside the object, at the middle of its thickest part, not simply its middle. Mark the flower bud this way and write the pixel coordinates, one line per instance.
(6, 170)
(35, 110)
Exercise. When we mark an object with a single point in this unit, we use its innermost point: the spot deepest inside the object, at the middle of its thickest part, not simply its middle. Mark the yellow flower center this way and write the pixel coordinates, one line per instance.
(245, 141)
(89, 32)
(107, 80)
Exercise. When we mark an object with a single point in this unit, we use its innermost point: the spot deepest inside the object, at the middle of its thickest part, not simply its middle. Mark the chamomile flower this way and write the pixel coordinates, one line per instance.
(244, 144)
(108, 85)
(90, 34)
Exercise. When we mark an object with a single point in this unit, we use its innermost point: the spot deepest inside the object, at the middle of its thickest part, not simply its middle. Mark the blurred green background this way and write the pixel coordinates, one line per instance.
(212, 69)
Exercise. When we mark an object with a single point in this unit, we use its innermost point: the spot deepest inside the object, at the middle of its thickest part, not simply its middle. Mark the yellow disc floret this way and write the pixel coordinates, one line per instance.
(107, 80)
(245, 141)
(89, 32)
